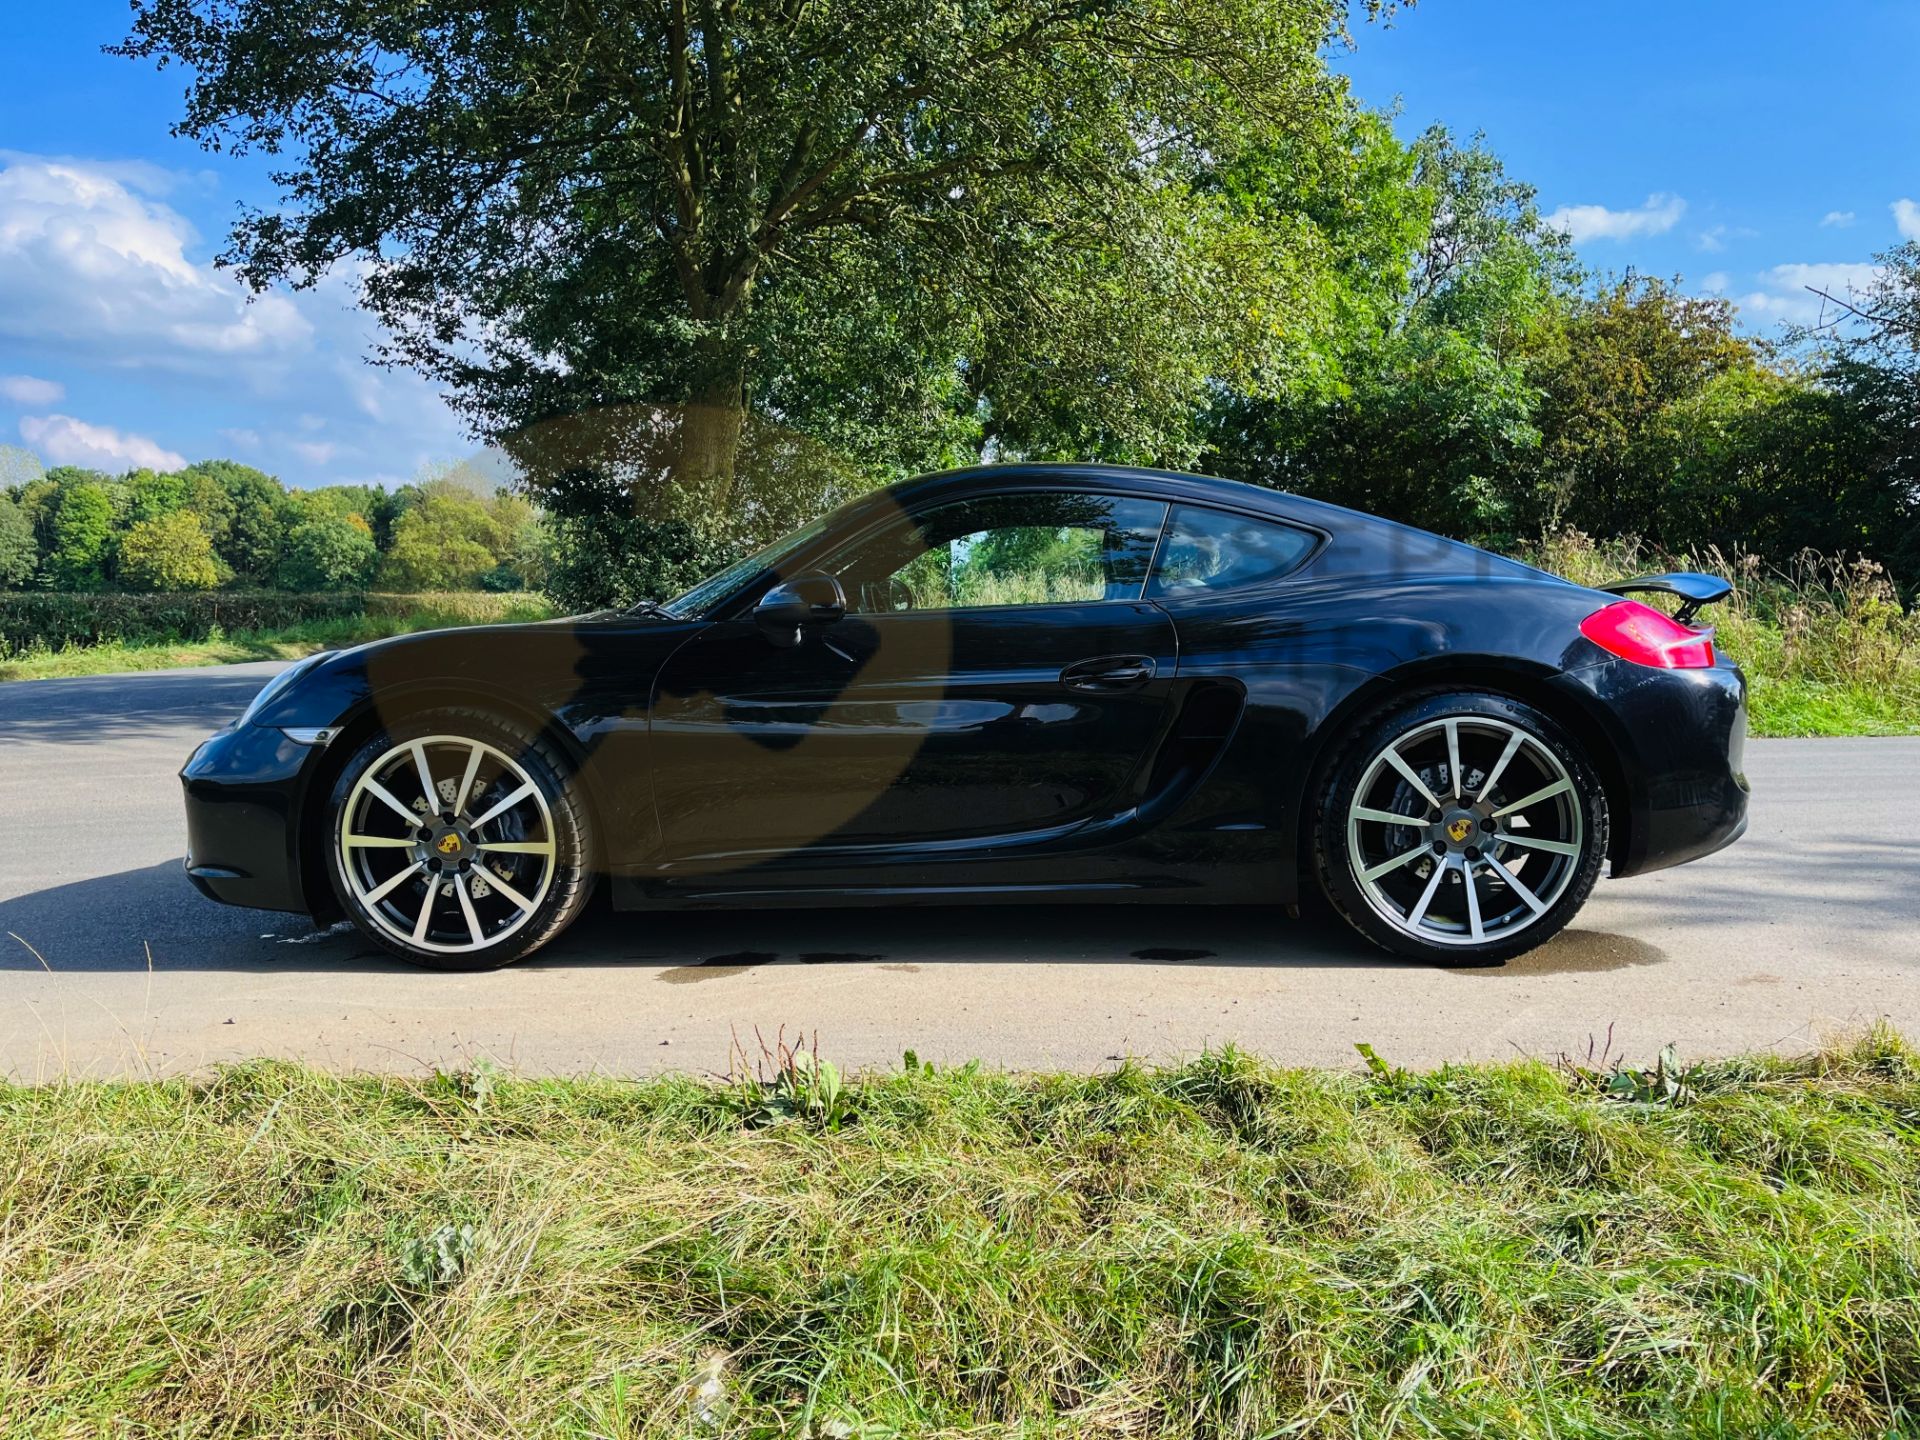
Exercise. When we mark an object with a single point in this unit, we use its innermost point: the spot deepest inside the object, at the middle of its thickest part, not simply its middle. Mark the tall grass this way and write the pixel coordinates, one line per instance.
(1824, 640)
(1222, 1249)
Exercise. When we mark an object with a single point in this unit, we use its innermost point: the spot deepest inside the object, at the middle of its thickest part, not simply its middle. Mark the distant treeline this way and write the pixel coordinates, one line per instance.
(219, 525)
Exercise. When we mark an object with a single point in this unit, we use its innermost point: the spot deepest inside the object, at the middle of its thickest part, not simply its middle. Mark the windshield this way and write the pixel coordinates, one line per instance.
(711, 591)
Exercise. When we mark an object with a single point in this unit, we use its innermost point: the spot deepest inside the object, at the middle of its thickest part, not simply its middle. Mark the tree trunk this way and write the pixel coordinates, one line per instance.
(707, 458)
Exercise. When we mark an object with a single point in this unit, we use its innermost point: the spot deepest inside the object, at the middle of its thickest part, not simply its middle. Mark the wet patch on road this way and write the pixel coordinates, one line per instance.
(718, 967)
(1575, 952)
(1162, 952)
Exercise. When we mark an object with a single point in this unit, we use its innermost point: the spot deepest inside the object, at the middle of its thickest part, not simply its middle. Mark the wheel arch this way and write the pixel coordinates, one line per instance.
(1529, 683)
(398, 703)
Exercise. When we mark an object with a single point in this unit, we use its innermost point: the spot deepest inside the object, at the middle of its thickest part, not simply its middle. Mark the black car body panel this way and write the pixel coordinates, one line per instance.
(961, 754)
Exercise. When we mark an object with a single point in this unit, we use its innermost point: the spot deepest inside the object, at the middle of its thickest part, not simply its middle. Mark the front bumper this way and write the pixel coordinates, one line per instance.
(243, 789)
(1681, 739)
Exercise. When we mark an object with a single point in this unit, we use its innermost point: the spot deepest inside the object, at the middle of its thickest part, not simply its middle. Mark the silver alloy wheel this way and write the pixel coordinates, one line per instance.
(1464, 831)
(450, 859)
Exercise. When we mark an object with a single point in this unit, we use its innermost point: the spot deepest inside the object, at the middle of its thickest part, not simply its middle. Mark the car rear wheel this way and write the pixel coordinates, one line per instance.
(1460, 827)
(457, 841)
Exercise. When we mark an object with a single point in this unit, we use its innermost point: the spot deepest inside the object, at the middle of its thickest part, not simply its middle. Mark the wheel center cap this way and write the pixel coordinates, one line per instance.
(448, 845)
(1459, 827)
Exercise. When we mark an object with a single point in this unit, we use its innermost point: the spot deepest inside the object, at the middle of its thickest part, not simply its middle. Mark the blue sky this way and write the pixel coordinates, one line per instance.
(1748, 148)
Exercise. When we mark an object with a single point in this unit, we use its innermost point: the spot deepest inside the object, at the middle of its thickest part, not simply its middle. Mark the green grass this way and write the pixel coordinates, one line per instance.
(285, 643)
(1222, 1249)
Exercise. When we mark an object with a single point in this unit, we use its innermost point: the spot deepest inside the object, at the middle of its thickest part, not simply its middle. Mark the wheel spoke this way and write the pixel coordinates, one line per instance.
(385, 797)
(1418, 913)
(426, 910)
(1453, 755)
(515, 847)
(1387, 817)
(502, 806)
(1407, 774)
(419, 748)
(1535, 842)
(1500, 766)
(1394, 864)
(1546, 792)
(378, 842)
(474, 754)
(392, 883)
(507, 890)
(466, 909)
(1474, 927)
(1512, 882)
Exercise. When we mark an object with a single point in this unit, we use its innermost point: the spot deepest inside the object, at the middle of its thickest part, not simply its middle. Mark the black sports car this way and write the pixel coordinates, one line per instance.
(1013, 683)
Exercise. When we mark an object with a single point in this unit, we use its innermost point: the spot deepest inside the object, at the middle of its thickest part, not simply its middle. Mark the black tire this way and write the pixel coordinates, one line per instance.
(1477, 714)
(567, 891)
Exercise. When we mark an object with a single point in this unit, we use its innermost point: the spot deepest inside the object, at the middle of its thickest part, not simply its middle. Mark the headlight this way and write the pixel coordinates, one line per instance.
(279, 683)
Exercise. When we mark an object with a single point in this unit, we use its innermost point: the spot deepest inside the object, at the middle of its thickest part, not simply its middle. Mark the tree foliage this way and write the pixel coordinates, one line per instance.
(328, 552)
(73, 529)
(169, 551)
(19, 556)
(81, 539)
(449, 537)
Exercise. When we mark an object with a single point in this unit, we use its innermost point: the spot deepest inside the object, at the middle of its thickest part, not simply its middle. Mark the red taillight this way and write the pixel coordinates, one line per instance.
(1643, 635)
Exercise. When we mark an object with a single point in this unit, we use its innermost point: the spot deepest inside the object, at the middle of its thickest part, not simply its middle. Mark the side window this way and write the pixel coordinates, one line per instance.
(1038, 549)
(1218, 550)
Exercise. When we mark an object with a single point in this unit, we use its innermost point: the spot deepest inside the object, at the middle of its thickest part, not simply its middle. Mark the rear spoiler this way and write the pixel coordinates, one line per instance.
(1695, 590)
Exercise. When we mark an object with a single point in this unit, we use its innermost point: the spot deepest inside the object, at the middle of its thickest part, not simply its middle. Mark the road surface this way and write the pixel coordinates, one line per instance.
(1808, 927)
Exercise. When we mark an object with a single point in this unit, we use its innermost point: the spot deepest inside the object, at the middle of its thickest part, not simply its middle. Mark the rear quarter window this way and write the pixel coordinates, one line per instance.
(1208, 550)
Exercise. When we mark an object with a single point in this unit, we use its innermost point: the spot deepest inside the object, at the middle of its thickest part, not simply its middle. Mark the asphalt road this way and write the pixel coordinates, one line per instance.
(1808, 927)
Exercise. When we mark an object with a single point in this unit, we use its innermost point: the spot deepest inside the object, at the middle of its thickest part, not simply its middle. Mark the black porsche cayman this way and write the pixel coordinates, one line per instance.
(1014, 683)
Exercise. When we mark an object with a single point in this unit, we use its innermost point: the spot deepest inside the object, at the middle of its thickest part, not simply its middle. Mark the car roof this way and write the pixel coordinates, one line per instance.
(1338, 521)
(1170, 484)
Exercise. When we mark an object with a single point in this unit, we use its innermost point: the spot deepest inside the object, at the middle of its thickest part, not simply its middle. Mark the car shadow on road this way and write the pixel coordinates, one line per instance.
(153, 917)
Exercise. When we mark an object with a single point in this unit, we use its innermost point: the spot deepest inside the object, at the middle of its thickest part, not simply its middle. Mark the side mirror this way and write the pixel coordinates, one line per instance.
(787, 610)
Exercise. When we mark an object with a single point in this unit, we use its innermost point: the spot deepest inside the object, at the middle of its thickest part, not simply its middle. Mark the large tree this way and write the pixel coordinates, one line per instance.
(169, 551)
(919, 219)
(1419, 405)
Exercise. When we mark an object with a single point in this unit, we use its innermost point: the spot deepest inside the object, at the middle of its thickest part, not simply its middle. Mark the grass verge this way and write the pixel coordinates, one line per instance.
(1222, 1249)
(288, 642)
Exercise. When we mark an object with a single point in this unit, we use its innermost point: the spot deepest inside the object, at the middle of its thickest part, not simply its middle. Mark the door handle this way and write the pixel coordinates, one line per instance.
(1105, 674)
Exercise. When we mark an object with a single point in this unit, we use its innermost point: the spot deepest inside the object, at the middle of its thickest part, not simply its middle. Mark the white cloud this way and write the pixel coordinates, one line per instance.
(31, 393)
(1906, 215)
(66, 441)
(1714, 239)
(1715, 283)
(100, 264)
(1596, 222)
(1837, 219)
(1788, 291)
(91, 262)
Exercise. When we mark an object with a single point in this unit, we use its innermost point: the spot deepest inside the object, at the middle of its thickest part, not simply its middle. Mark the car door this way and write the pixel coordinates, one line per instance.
(997, 675)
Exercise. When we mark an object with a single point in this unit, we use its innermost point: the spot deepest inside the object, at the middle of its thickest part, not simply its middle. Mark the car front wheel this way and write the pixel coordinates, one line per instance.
(1460, 827)
(457, 842)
